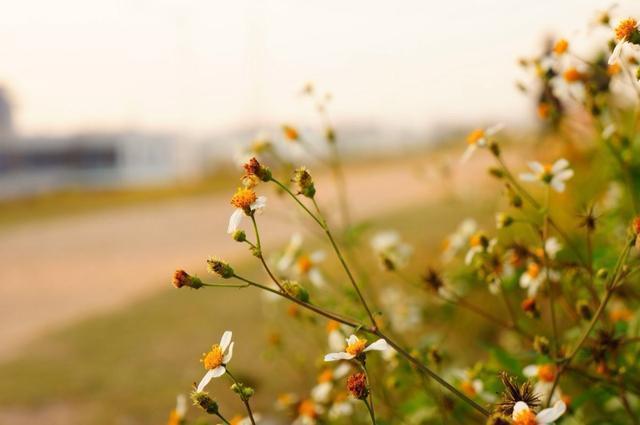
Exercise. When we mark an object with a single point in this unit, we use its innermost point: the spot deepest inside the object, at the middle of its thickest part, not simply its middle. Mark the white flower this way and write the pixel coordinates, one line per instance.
(456, 241)
(545, 375)
(305, 265)
(479, 138)
(355, 347)
(523, 415)
(532, 278)
(215, 361)
(246, 202)
(404, 312)
(341, 409)
(625, 29)
(552, 247)
(390, 248)
(555, 174)
(479, 243)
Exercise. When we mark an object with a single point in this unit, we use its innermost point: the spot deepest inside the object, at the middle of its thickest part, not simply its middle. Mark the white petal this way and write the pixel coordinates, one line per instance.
(536, 167)
(525, 280)
(494, 129)
(315, 276)
(235, 220)
(564, 174)
(385, 240)
(470, 254)
(528, 177)
(336, 342)
(181, 405)
(559, 165)
(318, 256)
(352, 339)
(259, 203)
(218, 372)
(341, 371)
(519, 407)
(205, 380)
(467, 153)
(332, 357)
(547, 416)
(530, 371)
(379, 345)
(320, 393)
(558, 185)
(229, 355)
(617, 51)
(225, 340)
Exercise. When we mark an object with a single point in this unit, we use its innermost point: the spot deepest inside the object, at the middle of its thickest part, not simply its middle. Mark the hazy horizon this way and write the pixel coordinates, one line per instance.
(202, 66)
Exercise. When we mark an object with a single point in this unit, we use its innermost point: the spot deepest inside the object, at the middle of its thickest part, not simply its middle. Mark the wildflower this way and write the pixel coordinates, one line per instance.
(532, 278)
(572, 75)
(202, 399)
(394, 253)
(246, 203)
(555, 174)
(341, 407)
(290, 133)
(561, 46)
(513, 394)
(176, 416)
(305, 265)
(626, 33)
(322, 391)
(254, 168)
(403, 311)
(523, 415)
(182, 278)
(308, 412)
(551, 247)
(456, 241)
(356, 348)
(357, 386)
(479, 243)
(216, 360)
(545, 375)
(530, 306)
(293, 289)
(304, 182)
(479, 138)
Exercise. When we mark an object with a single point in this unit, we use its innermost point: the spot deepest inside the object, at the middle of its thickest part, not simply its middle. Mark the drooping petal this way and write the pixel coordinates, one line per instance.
(229, 355)
(528, 177)
(467, 153)
(379, 345)
(551, 414)
(259, 203)
(332, 357)
(470, 254)
(235, 220)
(321, 392)
(564, 175)
(617, 51)
(519, 407)
(494, 129)
(557, 185)
(205, 380)
(218, 372)
(536, 167)
(559, 165)
(352, 339)
(225, 340)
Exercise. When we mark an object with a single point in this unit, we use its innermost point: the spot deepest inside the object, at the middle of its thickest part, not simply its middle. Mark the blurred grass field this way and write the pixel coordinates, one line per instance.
(127, 366)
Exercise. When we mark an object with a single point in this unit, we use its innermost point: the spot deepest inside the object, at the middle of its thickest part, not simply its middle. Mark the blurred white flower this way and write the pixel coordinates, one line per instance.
(523, 415)
(458, 240)
(389, 247)
(479, 138)
(555, 174)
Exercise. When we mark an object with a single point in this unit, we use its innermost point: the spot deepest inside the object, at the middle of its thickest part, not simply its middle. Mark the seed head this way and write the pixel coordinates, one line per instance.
(219, 267)
(254, 168)
(514, 393)
(182, 278)
(206, 403)
(304, 182)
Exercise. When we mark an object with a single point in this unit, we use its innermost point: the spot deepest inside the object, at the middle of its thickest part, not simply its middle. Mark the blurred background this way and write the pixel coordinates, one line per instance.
(121, 127)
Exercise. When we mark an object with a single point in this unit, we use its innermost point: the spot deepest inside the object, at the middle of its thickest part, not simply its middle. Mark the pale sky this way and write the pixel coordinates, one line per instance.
(205, 65)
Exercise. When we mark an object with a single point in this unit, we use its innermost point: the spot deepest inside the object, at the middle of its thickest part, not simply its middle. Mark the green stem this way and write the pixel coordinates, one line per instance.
(545, 259)
(259, 253)
(245, 400)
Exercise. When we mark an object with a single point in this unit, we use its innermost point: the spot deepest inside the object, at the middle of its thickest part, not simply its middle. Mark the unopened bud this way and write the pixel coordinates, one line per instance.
(494, 148)
(254, 168)
(296, 291)
(541, 344)
(602, 274)
(584, 309)
(239, 236)
(202, 399)
(503, 220)
(496, 172)
(182, 278)
(516, 201)
(304, 182)
(220, 268)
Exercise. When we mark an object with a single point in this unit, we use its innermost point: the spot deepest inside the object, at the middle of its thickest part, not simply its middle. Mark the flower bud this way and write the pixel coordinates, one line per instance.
(239, 236)
(296, 291)
(516, 201)
(503, 220)
(496, 172)
(541, 344)
(220, 268)
(357, 386)
(434, 356)
(202, 399)
(494, 148)
(182, 278)
(530, 307)
(584, 309)
(254, 168)
(602, 273)
(304, 182)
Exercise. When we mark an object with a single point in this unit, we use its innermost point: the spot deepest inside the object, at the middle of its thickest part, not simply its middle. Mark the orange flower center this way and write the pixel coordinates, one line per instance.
(332, 325)
(546, 373)
(290, 133)
(213, 358)
(308, 409)
(325, 376)
(475, 136)
(533, 270)
(357, 347)
(572, 75)
(614, 69)
(468, 389)
(561, 46)
(544, 110)
(525, 417)
(243, 198)
(304, 264)
(236, 420)
(476, 240)
(625, 28)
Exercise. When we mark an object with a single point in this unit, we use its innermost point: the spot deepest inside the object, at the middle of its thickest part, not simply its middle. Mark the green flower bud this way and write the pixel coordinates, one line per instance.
(220, 268)
(503, 220)
(541, 344)
(304, 182)
(206, 403)
(239, 236)
(182, 278)
(602, 274)
(296, 291)
(584, 309)
(496, 172)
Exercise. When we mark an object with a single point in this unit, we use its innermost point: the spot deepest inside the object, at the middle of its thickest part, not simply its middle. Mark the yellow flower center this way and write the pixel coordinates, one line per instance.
(476, 240)
(243, 198)
(533, 270)
(357, 347)
(475, 136)
(304, 264)
(290, 133)
(213, 358)
(468, 389)
(561, 46)
(614, 69)
(625, 28)
(332, 325)
(525, 417)
(546, 373)
(308, 409)
(236, 420)
(325, 376)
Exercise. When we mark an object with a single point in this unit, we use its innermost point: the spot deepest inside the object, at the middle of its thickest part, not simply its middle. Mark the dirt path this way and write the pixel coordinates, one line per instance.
(60, 270)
